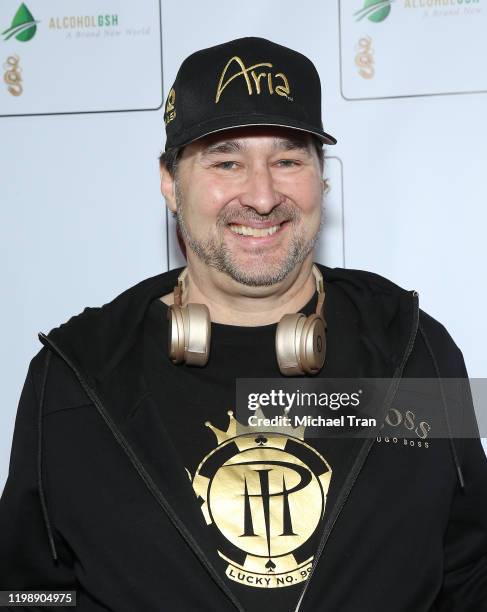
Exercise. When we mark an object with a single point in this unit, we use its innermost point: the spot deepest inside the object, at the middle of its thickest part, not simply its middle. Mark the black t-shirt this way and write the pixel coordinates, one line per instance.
(264, 498)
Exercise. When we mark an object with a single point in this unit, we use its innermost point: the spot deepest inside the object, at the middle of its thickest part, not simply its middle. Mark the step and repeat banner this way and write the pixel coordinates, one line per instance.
(398, 48)
(81, 118)
(84, 60)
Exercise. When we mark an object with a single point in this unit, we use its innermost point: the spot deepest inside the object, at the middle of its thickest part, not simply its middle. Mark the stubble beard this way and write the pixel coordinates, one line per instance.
(216, 254)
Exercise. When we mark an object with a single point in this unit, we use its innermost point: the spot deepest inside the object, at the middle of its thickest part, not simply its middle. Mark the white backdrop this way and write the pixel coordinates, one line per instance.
(82, 216)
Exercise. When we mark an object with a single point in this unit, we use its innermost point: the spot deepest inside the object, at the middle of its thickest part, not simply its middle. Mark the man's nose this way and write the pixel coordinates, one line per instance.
(260, 190)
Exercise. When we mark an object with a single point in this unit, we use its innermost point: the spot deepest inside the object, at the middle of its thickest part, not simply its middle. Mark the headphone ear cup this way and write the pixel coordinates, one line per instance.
(189, 334)
(312, 344)
(197, 334)
(288, 335)
(175, 336)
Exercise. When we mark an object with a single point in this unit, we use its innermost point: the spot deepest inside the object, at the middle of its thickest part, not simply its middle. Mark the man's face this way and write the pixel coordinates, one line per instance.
(249, 201)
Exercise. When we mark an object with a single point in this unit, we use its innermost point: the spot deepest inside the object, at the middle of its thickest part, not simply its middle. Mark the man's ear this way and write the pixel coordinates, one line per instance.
(168, 188)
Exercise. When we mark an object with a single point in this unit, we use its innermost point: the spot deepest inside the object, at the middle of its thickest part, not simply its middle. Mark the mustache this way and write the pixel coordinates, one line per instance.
(276, 216)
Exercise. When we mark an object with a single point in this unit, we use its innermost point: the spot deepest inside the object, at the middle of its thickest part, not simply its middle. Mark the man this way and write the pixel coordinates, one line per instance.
(133, 482)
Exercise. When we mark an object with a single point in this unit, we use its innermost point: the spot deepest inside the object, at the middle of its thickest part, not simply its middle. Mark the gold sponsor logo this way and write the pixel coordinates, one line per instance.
(12, 75)
(364, 58)
(170, 112)
(256, 80)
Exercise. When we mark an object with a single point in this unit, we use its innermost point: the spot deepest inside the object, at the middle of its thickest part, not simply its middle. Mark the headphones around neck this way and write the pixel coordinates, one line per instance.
(300, 339)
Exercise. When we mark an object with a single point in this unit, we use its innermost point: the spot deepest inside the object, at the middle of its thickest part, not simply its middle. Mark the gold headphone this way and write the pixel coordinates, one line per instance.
(300, 340)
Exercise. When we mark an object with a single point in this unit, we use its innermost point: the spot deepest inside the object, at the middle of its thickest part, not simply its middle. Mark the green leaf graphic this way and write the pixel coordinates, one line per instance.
(23, 15)
(374, 10)
(23, 25)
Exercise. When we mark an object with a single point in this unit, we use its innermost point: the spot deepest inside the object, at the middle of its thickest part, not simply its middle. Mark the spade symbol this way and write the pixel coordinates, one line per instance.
(271, 566)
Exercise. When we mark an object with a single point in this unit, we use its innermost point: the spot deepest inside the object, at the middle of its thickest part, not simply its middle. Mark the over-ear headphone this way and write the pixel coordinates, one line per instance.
(300, 339)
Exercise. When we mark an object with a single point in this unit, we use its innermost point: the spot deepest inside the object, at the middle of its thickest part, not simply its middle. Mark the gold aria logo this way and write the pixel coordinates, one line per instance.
(263, 494)
(273, 83)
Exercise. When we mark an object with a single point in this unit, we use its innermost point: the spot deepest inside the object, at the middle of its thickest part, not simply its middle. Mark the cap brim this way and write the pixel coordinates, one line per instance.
(220, 126)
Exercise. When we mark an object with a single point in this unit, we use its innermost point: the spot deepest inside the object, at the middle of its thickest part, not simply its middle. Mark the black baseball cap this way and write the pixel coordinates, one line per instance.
(243, 82)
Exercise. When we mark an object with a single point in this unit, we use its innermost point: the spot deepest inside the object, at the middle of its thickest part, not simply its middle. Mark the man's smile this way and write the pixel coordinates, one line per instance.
(256, 230)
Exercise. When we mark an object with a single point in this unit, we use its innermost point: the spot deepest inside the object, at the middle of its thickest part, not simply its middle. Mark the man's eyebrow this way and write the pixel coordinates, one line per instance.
(227, 146)
(233, 146)
(290, 144)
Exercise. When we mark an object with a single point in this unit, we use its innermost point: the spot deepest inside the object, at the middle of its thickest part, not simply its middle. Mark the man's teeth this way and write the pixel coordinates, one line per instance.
(245, 230)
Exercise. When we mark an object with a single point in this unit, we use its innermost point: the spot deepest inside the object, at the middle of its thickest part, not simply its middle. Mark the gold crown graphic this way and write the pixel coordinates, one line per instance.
(236, 429)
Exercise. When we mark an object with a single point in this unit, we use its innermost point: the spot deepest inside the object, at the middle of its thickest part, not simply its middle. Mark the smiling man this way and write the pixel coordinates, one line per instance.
(133, 482)
(264, 186)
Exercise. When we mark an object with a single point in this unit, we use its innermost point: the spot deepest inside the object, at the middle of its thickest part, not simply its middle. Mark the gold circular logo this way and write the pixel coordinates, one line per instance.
(264, 497)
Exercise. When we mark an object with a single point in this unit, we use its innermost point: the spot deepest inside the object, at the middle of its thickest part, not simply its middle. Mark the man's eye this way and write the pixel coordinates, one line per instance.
(226, 165)
(288, 163)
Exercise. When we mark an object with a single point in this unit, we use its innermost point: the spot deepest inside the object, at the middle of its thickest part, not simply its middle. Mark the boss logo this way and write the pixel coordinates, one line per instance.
(395, 418)
(406, 420)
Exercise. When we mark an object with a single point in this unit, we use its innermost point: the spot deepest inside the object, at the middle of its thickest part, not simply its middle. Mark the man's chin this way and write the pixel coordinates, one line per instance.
(254, 267)
(258, 271)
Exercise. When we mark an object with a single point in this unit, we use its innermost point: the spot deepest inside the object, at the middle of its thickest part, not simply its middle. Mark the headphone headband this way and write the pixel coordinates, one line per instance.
(182, 281)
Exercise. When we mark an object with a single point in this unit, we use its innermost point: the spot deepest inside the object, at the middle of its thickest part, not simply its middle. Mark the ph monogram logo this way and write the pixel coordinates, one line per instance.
(264, 495)
(273, 83)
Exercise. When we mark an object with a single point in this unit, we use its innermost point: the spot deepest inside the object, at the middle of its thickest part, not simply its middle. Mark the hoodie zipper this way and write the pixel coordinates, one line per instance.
(354, 473)
(144, 475)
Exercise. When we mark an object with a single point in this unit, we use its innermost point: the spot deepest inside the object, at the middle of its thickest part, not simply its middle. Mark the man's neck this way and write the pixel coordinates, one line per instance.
(232, 303)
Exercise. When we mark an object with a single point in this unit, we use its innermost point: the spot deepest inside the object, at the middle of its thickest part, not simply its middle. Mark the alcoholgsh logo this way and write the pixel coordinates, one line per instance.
(23, 27)
(374, 10)
(377, 11)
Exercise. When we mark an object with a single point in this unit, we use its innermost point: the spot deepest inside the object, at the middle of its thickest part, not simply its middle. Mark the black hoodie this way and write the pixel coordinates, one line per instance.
(91, 503)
